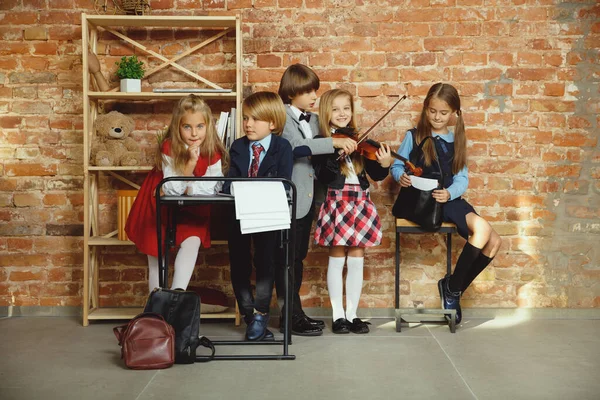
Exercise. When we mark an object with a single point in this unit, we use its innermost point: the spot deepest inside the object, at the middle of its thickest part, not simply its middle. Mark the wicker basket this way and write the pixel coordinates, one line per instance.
(138, 7)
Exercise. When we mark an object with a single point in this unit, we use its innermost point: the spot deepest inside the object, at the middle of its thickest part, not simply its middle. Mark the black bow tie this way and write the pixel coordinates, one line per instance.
(305, 117)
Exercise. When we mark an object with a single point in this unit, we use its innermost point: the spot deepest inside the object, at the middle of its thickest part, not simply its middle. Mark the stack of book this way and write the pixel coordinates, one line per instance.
(226, 127)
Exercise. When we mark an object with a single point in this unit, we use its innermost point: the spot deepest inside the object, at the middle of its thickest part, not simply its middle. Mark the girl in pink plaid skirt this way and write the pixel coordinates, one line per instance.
(348, 221)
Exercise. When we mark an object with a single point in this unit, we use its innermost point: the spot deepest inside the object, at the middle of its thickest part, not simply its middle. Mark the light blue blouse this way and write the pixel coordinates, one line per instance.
(460, 181)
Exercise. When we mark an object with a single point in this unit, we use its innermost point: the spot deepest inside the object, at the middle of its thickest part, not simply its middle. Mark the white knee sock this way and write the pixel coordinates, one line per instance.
(185, 262)
(354, 281)
(152, 273)
(335, 285)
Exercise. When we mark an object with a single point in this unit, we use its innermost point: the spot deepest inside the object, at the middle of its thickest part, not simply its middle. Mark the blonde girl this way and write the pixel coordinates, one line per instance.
(191, 147)
(348, 220)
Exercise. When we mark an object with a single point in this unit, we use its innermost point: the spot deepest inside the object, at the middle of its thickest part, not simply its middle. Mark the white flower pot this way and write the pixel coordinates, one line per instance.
(131, 85)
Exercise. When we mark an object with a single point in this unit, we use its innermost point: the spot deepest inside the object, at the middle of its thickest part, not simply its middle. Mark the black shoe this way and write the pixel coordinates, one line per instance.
(315, 322)
(359, 326)
(341, 325)
(450, 300)
(269, 335)
(301, 327)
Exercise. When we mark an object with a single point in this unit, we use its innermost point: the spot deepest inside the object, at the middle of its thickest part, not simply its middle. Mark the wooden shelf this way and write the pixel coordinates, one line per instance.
(162, 21)
(93, 29)
(130, 312)
(155, 96)
(102, 241)
(131, 169)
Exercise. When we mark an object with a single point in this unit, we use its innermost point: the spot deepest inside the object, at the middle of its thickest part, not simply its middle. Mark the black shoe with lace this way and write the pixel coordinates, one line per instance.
(315, 322)
(301, 327)
(359, 326)
(341, 325)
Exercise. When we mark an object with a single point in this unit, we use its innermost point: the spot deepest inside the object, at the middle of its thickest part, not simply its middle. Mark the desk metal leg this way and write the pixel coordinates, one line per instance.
(452, 317)
(287, 332)
(398, 318)
(449, 254)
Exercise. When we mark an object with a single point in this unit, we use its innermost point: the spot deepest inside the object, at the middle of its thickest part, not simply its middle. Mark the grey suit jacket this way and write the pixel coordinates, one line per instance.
(303, 174)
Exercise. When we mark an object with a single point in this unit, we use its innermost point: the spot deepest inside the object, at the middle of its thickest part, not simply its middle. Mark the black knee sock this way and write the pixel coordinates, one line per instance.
(478, 266)
(468, 255)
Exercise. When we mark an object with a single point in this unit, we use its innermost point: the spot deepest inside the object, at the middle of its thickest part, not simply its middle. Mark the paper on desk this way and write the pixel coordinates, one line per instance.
(253, 226)
(423, 183)
(261, 206)
(259, 197)
(267, 216)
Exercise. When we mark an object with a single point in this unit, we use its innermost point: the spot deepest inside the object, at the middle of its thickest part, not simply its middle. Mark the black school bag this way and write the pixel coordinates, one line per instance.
(416, 205)
(181, 309)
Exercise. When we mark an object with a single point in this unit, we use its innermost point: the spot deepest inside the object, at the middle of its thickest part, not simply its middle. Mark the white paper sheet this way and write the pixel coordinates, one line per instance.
(267, 216)
(423, 183)
(261, 206)
(259, 197)
(253, 226)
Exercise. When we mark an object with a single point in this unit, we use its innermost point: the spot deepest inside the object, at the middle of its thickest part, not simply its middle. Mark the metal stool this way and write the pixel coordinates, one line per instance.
(449, 316)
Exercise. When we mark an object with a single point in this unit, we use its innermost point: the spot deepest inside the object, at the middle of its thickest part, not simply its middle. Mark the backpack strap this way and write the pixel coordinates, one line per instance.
(205, 342)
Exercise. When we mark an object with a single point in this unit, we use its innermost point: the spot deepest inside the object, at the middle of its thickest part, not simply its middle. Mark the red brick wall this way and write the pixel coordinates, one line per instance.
(529, 79)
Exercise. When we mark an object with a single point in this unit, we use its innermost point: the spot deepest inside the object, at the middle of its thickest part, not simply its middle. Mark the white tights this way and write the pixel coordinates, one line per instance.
(354, 281)
(184, 265)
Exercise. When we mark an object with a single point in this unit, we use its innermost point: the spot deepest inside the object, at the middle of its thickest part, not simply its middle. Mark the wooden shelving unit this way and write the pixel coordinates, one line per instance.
(92, 25)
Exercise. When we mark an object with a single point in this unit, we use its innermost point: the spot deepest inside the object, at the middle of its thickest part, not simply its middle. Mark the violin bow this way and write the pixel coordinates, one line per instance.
(364, 136)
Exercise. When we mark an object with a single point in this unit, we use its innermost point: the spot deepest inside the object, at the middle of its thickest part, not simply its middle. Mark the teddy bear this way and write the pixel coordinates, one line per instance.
(112, 145)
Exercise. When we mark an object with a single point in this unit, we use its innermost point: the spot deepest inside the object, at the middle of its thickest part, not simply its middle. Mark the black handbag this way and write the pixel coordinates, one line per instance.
(419, 206)
(181, 309)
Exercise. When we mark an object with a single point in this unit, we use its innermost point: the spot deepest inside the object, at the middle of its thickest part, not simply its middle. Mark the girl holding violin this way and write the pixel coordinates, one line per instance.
(441, 104)
(348, 221)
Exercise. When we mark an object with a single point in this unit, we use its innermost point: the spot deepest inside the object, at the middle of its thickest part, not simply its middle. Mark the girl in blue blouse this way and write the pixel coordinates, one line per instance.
(441, 103)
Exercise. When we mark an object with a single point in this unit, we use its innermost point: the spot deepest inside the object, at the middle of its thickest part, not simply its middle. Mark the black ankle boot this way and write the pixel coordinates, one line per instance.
(450, 300)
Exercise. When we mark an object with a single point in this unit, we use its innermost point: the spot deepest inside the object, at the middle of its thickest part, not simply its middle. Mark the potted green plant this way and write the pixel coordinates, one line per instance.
(130, 70)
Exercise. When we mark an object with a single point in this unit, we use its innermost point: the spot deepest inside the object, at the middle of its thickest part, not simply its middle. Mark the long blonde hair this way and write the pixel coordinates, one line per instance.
(211, 145)
(449, 94)
(325, 113)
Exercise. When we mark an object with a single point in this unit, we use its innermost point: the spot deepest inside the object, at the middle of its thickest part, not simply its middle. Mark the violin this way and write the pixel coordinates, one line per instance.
(368, 149)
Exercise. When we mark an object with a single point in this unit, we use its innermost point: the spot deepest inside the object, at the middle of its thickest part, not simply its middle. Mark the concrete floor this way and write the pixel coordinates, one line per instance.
(502, 358)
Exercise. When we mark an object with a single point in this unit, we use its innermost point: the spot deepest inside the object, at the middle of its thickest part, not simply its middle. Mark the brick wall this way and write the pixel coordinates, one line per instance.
(528, 75)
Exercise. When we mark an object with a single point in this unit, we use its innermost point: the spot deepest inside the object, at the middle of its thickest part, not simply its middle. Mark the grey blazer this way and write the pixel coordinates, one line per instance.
(303, 174)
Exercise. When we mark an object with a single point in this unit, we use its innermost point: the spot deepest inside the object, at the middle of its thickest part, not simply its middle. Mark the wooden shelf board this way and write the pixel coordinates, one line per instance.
(130, 312)
(102, 241)
(155, 96)
(148, 21)
(132, 169)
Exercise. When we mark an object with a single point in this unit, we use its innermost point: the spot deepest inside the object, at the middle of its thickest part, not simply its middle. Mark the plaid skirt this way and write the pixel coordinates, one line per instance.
(348, 218)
